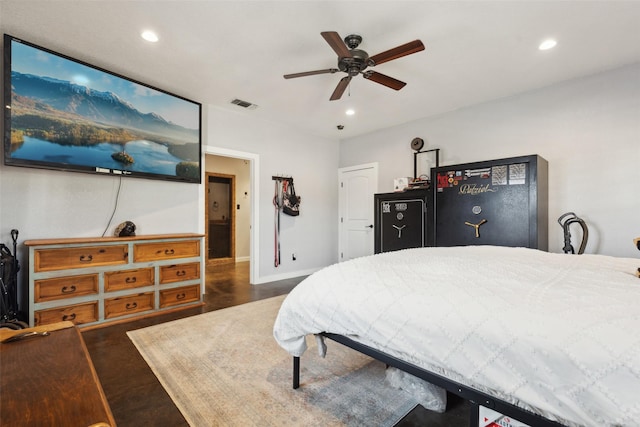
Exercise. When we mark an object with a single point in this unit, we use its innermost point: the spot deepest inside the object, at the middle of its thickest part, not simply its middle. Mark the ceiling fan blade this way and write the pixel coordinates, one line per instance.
(311, 73)
(342, 85)
(384, 80)
(396, 52)
(336, 43)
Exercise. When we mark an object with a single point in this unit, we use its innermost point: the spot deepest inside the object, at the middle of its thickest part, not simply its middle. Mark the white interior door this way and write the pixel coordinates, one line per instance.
(357, 185)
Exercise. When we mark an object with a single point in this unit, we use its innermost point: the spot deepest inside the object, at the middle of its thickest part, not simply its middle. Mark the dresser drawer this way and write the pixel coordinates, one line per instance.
(177, 296)
(128, 279)
(179, 272)
(79, 257)
(114, 307)
(65, 287)
(166, 250)
(77, 313)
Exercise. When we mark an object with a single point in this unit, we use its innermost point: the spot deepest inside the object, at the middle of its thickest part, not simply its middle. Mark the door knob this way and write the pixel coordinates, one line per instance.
(368, 226)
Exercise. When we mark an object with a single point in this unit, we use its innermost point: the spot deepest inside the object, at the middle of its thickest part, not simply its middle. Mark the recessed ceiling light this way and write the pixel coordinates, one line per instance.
(149, 36)
(350, 112)
(547, 44)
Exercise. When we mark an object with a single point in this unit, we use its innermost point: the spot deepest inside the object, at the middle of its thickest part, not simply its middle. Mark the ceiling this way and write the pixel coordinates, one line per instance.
(217, 51)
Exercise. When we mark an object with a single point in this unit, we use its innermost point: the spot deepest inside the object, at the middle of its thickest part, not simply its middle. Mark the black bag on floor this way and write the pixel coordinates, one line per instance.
(9, 268)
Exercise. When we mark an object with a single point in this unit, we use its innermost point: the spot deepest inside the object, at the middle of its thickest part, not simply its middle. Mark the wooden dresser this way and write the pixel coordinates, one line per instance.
(89, 281)
(50, 380)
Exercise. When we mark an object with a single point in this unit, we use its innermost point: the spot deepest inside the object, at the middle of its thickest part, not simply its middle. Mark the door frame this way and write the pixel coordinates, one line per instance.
(342, 202)
(232, 219)
(254, 232)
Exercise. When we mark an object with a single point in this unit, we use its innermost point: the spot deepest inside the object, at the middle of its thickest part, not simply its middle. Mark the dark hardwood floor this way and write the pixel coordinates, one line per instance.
(136, 396)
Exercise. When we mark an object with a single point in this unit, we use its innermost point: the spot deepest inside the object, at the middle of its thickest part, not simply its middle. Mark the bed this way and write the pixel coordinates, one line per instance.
(548, 339)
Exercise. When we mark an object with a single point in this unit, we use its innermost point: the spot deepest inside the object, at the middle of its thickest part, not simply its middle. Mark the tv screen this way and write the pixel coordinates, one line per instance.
(62, 113)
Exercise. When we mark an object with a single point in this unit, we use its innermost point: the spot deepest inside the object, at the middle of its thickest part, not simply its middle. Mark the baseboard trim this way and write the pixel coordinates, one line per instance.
(284, 276)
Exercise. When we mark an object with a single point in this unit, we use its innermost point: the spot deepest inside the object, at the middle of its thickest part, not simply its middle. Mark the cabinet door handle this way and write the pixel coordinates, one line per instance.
(181, 296)
(181, 273)
(68, 289)
(86, 258)
(169, 252)
(131, 305)
(71, 317)
(131, 279)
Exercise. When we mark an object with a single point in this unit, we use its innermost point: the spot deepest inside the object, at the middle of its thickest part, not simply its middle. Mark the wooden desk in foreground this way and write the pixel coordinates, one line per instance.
(50, 380)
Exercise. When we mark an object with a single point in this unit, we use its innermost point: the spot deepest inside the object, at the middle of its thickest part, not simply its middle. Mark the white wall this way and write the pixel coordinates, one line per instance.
(588, 129)
(312, 162)
(53, 204)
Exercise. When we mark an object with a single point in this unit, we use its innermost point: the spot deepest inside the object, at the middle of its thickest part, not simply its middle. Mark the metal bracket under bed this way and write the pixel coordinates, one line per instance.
(475, 397)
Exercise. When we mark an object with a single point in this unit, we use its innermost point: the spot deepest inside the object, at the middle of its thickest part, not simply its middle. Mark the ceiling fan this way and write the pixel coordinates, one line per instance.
(354, 61)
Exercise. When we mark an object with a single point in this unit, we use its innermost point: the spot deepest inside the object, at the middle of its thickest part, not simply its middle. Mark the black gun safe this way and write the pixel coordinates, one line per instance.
(401, 220)
(498, 202)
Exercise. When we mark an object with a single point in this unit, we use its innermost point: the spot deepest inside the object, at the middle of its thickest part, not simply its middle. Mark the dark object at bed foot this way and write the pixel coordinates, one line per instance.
(456, 415)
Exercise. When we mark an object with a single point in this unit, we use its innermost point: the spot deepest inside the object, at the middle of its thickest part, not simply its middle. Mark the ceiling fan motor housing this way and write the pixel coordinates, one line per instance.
(357, 63)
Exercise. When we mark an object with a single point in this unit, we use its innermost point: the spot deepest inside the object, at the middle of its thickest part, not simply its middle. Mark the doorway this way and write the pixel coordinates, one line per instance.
(220, 218)
(356, 187)
(246, 168)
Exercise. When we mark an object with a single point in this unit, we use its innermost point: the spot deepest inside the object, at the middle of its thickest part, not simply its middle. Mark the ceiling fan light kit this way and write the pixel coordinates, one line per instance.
(354, 61)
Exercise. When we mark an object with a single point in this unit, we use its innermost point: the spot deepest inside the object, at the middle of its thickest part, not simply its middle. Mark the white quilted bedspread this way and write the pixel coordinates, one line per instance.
(553, 333)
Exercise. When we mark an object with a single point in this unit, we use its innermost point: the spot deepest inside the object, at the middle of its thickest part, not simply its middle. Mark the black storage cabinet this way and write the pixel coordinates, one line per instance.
(401, 220)
(500, 202)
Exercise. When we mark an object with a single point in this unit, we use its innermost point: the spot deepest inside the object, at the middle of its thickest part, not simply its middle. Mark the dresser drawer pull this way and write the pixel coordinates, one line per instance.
(181, 273)
(169, 252)
(181, 296)
(131, 305)
(86, 258)
(133, 279)
(68, 289)
(71, 316)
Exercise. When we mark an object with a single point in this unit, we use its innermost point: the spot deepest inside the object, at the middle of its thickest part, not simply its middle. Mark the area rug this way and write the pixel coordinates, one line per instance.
(224, 368)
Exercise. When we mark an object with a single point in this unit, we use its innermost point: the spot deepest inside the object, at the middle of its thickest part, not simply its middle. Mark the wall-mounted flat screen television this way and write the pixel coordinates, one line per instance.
(62, 113)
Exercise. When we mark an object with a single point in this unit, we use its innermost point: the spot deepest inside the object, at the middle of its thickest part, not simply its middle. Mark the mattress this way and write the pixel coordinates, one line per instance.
(555, 334)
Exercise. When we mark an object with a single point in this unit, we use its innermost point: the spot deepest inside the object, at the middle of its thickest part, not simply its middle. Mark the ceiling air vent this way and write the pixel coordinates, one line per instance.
(244, 104)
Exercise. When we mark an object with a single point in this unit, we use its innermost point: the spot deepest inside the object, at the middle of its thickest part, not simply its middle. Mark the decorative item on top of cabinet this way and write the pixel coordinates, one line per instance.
(500, 202)
(93, 280)
(401, 220)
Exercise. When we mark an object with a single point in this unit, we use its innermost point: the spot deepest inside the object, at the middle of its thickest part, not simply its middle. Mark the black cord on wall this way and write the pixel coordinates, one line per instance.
(115, 207)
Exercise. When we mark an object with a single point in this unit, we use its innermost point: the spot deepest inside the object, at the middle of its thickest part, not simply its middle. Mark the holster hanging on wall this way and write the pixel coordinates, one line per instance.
(291, 205)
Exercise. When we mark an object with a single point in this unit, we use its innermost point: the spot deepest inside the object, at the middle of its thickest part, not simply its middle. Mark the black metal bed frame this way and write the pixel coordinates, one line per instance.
(475, 397)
